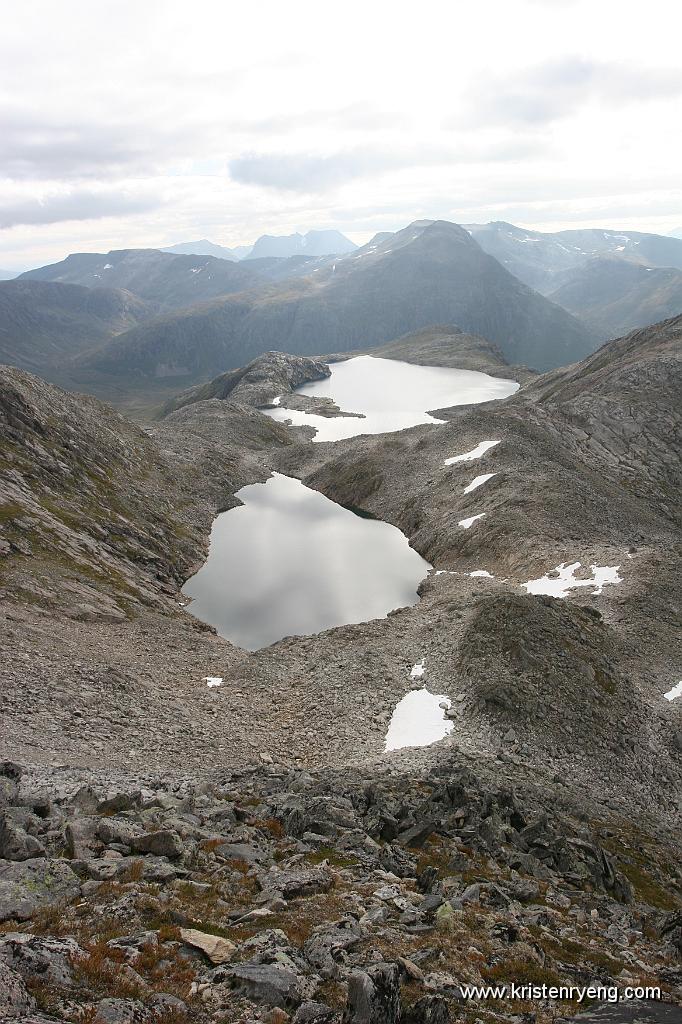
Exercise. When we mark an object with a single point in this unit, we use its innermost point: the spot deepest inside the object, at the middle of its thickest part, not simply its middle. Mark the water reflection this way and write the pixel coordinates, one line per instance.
(290, 561)
(391, 395)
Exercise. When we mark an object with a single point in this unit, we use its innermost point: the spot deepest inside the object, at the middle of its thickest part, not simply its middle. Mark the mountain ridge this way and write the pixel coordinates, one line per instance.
(426, 273)
(43, 325)
(536, 257)
(614, 296)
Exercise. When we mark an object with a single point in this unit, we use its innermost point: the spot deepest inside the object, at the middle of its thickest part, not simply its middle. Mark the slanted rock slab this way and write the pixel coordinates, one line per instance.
(217, 949)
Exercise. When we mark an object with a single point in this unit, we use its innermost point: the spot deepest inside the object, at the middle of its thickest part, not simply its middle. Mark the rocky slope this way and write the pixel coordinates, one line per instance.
(613, 296)
(97, 518)
(427, 273)
(280, 896)
(44, 325)
(255, 384)
(539, 841)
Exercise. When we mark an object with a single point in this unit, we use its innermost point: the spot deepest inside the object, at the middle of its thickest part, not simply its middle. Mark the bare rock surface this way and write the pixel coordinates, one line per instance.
(540, 839)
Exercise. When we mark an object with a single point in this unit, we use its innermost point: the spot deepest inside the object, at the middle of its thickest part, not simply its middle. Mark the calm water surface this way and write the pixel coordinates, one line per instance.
(391, 395)
(292, 562)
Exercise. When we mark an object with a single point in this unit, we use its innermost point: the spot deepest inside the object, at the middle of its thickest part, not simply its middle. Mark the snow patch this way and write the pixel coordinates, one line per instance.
(565, 580)
(418, 721)
(418, 670)
(212, 681)
(477, 481)
(466, 523)
(482, 572)
(108, 266)
(475, 453)
(675, 692)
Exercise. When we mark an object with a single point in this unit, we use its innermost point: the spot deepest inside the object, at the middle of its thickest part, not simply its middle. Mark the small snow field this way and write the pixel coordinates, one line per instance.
(418, 721)
(563, 579)
(475, 453)
(478, 481)
(467, 523)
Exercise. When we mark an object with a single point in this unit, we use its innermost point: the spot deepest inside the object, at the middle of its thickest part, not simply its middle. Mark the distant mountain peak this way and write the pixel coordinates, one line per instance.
(317, 242)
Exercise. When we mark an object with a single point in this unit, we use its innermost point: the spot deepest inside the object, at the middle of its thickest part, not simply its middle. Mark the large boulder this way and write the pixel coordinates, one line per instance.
(164, 843)
(270, 983)
(28, 886)
(10, 776)
(40, 957)
(15, 842)
(374, 996)
(14, 998)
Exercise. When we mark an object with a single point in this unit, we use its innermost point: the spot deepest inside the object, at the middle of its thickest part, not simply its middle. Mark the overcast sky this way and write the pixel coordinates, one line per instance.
(142, 124)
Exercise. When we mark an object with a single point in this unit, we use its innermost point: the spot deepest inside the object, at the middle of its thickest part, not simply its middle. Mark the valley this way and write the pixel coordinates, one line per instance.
(340, 520)
(505, 539)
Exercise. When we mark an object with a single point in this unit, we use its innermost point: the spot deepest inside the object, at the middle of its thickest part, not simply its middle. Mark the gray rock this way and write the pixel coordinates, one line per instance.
(119, 802)
(26, 886)
(120, 1011)
(15, 842)
(299, 882)
(81, 837)
(164, 843)
(14, 998)
(117, 830)
(314, 1013)
(10, 776)
(428, 1010)
(270, 984)
(374, 996)
(162, 1001)
(37, 956)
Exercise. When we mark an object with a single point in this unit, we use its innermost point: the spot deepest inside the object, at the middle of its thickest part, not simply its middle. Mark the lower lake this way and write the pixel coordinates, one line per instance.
(291, 562)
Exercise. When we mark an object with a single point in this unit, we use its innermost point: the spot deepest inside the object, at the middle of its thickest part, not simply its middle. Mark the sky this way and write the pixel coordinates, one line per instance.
(148, 123)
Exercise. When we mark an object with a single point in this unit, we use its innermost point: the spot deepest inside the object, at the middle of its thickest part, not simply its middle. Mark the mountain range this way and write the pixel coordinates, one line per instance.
(312, 243)
(174, 319)
(613, 296)
(537, 257)
(205, 248)
(430, 272)
(169, 281)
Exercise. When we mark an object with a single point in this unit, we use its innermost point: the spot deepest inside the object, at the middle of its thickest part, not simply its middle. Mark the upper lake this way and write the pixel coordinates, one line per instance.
(390, 395)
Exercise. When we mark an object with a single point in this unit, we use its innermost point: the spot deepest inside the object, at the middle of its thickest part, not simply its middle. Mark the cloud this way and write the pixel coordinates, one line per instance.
(48, 147)
(78, 204)
(307, 172)
(555, 89)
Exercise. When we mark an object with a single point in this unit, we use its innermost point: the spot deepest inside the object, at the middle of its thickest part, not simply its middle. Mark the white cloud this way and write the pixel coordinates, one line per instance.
(145, 124)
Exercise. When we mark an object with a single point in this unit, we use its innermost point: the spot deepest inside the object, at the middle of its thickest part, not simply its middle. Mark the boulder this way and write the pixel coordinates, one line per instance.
(270, 983)
(298, 881)
(27, 886)
(217, 949)
(120, 1011)
(10, 776)
(14, 998)
(164, 843)
(15, 842)
(48, 959)
(429, 1010)
(374, 996)
(314, 1013)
